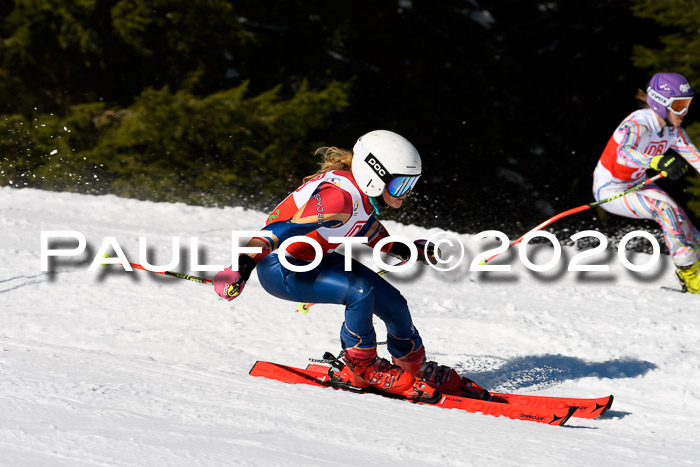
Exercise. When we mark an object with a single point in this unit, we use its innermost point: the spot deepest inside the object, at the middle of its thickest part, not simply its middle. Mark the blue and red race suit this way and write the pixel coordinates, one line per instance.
(332, 205)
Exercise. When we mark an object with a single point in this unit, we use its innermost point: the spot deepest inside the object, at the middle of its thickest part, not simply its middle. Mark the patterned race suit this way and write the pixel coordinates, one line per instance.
(623, 164)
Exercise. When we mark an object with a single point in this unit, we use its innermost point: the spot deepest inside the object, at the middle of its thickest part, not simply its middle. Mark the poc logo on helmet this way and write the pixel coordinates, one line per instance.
(684, 87)
(376, 166)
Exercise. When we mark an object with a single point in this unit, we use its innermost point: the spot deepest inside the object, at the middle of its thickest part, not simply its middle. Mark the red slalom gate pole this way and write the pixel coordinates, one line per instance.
(579, 209)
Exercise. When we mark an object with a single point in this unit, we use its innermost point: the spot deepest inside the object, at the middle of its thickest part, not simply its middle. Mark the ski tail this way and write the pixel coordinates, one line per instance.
(287, 374)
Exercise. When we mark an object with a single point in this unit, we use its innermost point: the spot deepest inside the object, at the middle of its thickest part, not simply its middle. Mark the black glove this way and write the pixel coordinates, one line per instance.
(672, 167)
(426, 252)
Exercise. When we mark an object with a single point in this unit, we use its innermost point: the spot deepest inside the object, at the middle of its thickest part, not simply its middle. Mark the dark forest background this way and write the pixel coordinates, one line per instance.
(214, 102)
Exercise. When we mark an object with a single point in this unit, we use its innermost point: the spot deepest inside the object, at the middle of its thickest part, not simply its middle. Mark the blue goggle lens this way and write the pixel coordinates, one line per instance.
(399, 186)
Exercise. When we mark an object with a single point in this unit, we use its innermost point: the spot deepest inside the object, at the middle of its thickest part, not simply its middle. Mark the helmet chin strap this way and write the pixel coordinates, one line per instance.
(378, 204)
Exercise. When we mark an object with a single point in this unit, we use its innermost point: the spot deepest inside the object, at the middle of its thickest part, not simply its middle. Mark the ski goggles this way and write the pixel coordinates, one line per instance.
(679, 105)
(401, 185)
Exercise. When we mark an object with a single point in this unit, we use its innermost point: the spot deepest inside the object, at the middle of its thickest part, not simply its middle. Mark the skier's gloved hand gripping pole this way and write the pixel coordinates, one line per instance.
(229, 283)
(673, 167)
(582, 208)
(234, 287)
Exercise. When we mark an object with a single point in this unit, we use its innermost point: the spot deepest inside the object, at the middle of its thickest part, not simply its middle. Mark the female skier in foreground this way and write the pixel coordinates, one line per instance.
(640, 142)
(342, 200)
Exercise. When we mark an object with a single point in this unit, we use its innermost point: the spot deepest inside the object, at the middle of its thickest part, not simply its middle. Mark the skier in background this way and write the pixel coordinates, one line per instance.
(343, 200)
(641, 142)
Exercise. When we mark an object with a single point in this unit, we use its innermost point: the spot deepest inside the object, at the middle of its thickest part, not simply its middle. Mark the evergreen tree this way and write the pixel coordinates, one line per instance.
(173, 146)
(144, 98)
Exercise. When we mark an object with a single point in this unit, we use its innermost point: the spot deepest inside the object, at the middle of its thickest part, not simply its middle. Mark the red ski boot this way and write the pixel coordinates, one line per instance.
(364, 368)
(441, 377)
(447, 381)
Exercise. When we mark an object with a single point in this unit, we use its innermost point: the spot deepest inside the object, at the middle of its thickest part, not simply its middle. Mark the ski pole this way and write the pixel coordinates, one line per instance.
(179, 275)
(580, 209)
(304, 307)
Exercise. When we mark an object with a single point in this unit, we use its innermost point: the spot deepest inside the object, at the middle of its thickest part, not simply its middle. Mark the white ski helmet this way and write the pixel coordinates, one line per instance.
(383, 160)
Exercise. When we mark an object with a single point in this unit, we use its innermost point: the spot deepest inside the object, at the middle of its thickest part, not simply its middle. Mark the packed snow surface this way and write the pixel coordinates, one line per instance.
(109, 367)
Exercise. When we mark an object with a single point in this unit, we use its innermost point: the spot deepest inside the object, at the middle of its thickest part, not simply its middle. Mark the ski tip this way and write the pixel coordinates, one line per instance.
(608, 405)
(566, 418)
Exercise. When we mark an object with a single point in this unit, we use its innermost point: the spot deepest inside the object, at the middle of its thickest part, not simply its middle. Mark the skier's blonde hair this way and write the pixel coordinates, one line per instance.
(332, 158)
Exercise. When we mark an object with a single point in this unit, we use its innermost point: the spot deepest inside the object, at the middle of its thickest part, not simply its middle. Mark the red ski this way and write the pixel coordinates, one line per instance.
(319, 375)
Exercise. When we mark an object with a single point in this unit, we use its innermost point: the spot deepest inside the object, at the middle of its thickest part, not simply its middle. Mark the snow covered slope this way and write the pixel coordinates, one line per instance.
(115, 368)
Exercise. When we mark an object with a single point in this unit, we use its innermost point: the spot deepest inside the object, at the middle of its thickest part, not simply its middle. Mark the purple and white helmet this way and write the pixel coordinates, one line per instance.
(664, 89)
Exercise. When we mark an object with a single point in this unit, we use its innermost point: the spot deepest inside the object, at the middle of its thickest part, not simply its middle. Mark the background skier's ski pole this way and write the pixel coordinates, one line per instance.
(579, 209)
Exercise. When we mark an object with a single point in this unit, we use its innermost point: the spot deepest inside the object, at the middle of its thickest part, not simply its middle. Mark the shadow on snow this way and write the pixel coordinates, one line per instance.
(549, 370)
